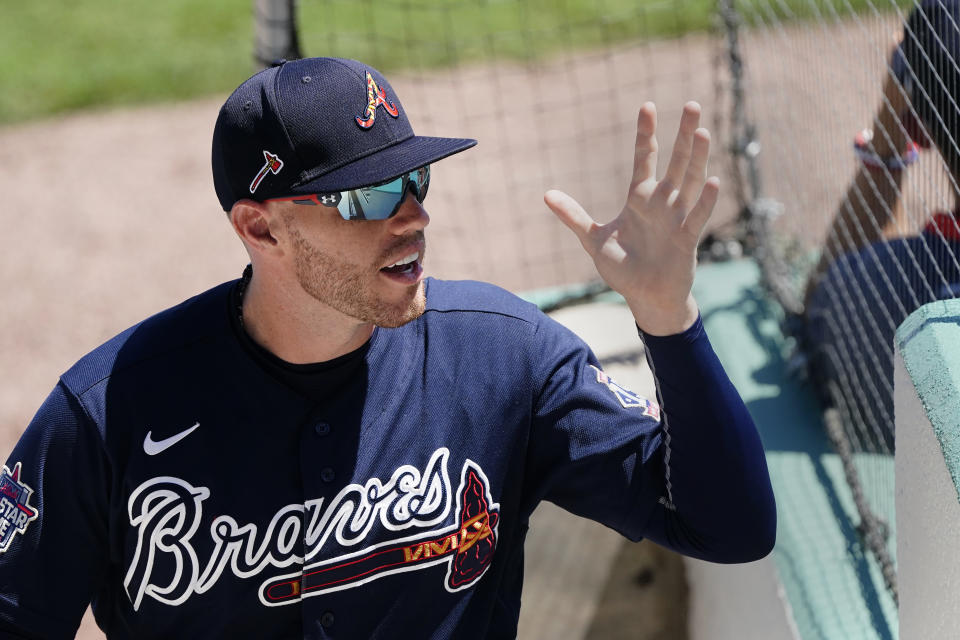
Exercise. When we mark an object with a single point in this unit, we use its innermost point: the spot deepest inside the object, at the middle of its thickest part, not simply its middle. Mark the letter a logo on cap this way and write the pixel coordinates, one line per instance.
(273, 165)
(376, 97)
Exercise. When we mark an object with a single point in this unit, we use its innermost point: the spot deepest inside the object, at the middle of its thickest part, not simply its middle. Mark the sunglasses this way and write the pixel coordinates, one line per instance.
(378, 202)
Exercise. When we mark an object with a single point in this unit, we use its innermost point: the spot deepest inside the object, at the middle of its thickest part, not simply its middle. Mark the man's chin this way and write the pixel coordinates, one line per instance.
(403, 313)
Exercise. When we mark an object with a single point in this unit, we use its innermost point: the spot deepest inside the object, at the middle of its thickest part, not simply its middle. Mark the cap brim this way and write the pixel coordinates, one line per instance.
(386, 164)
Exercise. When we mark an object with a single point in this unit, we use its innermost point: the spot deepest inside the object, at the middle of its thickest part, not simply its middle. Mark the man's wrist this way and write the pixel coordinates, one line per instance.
(660, 321)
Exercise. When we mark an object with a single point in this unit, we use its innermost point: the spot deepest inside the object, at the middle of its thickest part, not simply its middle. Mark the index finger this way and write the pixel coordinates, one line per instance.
(645, 151)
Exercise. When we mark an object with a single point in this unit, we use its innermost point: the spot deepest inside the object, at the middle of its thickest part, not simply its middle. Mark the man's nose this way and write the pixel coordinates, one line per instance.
(411, 216)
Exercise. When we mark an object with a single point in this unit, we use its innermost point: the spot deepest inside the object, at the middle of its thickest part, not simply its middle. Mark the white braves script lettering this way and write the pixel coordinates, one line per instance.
(166, 512)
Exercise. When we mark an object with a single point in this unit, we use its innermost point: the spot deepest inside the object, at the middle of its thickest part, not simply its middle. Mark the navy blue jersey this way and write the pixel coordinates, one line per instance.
(854, 312)
(173, 482)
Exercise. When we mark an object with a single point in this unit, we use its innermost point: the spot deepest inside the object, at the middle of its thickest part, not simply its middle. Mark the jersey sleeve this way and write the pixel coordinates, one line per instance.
(594, 447)
(687, 472)
(720, 504)
(53, 545)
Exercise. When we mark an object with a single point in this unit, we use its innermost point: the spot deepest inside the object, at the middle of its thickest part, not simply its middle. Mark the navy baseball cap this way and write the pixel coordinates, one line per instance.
(316, 125)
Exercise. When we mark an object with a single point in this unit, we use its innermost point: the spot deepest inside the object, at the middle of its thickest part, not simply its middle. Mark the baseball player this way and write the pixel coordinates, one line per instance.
(870, 277)
(334, 446)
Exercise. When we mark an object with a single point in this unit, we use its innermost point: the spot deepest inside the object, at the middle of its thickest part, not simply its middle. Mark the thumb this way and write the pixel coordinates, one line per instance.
(571, 214)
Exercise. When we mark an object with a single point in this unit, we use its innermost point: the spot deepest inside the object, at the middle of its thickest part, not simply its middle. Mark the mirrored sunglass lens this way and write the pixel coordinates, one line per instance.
(382, 201)
(394, 186)
(372, 203)
(422, 178)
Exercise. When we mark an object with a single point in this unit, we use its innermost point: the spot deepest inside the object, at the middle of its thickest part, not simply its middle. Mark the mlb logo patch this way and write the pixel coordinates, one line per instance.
(15, 510)
(627, 398)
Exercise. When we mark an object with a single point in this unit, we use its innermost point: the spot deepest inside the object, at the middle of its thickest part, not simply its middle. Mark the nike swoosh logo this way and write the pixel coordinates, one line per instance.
(152, 447)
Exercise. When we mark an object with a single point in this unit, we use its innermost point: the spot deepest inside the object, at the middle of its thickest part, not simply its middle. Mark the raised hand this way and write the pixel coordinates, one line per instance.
(648, 254)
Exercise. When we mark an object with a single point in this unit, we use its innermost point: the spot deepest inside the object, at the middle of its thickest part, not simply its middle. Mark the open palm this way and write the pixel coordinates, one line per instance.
(648, 253)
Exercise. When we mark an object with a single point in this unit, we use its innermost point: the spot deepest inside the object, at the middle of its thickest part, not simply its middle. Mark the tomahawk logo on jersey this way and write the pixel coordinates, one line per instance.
(166, 513)
(466, 547)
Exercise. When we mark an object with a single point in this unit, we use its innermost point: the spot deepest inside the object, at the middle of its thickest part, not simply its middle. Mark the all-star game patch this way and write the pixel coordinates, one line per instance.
(15, 510)
(627, 398)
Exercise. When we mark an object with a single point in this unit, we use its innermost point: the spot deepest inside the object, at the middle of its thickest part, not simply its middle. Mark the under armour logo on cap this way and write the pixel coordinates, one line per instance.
(376, 97)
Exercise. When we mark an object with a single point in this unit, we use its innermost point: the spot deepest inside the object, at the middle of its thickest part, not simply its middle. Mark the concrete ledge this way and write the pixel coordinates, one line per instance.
(819, 583)
(929, 343)
(829, 586)
(927, 400)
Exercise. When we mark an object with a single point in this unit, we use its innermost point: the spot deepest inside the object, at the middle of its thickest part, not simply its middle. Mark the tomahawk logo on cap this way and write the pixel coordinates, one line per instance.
(273, 164)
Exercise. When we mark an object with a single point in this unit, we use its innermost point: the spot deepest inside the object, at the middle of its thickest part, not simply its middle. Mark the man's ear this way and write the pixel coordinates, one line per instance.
(256, 223)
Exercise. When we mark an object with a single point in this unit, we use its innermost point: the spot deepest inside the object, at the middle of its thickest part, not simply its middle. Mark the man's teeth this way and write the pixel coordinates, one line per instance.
(410, 258)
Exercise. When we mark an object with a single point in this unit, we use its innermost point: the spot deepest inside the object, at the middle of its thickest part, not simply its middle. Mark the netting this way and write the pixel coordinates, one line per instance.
(861, 230)
(550, 89)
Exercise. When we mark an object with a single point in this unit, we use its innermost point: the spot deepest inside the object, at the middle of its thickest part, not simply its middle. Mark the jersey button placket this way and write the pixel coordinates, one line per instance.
(319, 451)
(327, 619)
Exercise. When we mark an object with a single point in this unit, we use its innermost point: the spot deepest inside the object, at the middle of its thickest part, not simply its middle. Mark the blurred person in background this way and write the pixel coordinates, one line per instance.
(873, 273)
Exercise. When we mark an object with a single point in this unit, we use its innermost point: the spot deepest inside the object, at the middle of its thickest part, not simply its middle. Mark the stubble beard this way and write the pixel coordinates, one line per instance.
(342, 287)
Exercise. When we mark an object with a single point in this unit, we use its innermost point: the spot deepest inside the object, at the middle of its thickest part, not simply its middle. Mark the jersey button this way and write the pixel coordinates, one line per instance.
(327, 619)
(322, 428)
(327, 474)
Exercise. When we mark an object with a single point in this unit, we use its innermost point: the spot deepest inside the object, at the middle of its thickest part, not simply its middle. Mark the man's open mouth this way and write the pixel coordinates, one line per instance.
(403, 265)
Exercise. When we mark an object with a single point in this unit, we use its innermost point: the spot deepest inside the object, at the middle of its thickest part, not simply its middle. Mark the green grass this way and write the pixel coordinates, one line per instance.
(58, 56)
(456, 31)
